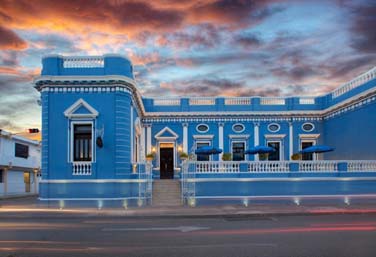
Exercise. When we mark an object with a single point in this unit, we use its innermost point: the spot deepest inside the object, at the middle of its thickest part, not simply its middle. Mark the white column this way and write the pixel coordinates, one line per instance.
(148, 139)
(132, 143)
(291, 140)
(185, 138)
(220, 139)
(256, 138)
(142, 150)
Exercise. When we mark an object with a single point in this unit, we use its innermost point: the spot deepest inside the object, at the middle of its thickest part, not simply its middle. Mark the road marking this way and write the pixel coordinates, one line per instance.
(181, 229)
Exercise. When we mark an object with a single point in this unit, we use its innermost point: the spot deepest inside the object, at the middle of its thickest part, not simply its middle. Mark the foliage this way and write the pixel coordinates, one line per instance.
(296, 156)
(263, 156)
(183, 155)
(226, 157)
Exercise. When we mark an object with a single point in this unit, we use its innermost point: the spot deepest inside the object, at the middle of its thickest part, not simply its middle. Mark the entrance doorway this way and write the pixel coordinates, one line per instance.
(166, 162)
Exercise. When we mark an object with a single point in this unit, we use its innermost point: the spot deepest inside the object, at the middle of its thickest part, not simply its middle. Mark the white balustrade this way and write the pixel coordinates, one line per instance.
(238, 101)
(83, 62)
(82, 168)
(361, 166)
(166, 101)
(360, 80)
(202, 101)
(272, 101)
(318, 166)
(217, 167)
(268, 167)
(306, 100)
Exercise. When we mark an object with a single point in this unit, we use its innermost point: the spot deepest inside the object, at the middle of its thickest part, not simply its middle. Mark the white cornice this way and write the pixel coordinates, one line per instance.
(203, 136)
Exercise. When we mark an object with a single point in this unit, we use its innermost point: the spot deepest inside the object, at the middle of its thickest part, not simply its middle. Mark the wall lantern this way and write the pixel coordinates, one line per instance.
(99, 142)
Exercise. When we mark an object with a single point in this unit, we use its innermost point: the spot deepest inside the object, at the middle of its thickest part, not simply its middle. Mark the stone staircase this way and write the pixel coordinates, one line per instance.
(166, 192)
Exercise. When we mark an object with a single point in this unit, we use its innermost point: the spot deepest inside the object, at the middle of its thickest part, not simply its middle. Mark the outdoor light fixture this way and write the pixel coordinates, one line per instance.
(139, 202)
(180, 149)
(134, 168)
(99, 142)
(347, 200)
(245, 202)
(297, 201)
(153, 149)
(192, 202)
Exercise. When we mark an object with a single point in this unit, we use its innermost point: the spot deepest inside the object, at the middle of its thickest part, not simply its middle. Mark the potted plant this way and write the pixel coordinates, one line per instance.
(226, 157)
(150, 157)
(296, 157)
(263, 156)
(183, 156)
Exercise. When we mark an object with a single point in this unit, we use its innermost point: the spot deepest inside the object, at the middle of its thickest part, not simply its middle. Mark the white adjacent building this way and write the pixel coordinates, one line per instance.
(19, 165)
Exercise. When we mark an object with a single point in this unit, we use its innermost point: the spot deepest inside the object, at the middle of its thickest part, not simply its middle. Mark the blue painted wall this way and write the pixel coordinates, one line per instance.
(352, 133)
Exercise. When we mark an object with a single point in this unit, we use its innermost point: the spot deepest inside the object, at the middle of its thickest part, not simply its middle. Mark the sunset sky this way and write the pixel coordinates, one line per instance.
(189, 47)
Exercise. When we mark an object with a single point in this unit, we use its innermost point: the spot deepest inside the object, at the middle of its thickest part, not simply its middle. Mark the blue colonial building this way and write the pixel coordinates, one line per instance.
(97, 130)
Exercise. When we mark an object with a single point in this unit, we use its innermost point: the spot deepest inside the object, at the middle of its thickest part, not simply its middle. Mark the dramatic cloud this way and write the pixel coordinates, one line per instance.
(10, 40)
(362, 28)
(189, 47)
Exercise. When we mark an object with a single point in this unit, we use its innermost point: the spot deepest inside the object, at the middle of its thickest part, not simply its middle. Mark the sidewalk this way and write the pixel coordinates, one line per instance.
(31, 205)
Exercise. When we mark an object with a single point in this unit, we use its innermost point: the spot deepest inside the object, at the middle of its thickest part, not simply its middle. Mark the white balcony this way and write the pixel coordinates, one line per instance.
(82, 168)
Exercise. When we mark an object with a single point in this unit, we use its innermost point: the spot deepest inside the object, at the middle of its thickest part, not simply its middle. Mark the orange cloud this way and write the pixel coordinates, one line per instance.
(10, 40)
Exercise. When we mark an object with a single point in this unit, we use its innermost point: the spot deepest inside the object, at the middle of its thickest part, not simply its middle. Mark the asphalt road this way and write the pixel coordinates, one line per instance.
(290, 236)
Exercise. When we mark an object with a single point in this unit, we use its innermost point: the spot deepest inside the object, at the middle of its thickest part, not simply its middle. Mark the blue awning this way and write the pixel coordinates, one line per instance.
(317, 149)
(260, 149)
(208, 150)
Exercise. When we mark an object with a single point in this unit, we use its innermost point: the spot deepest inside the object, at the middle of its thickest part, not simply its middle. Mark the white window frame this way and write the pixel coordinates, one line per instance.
(280, 141)
(313, 141)
(71, 138)
(202, 124)
(238, 141)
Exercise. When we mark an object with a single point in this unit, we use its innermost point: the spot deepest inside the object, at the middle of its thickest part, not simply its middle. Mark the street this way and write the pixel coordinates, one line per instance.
(26, 234)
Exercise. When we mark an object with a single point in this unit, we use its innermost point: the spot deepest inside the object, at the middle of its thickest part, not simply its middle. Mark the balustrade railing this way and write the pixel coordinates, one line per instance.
(166, 101)
(361, 166)
(369, 75)
(81, 168)
(280, 166)
(318, 166)
(238, 101)
(306, 100)
(272, 101)
(272, 166)
(202, 101)
(83, 62)
(217, 167)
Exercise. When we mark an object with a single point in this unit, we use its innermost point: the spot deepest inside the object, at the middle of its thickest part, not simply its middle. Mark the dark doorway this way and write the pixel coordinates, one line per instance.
(166, 163)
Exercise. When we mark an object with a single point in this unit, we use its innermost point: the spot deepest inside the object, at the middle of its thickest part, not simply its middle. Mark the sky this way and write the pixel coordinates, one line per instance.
(189, 47)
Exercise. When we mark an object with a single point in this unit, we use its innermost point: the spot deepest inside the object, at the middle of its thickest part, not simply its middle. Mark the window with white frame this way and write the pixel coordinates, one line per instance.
(202, 157)
(276, 155)
(82, 142)
(307, 156)
(1, 176)
(238, 149)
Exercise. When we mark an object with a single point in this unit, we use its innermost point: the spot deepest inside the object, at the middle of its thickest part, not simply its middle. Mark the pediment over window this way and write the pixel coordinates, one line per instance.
(166, 133)
(81, 109)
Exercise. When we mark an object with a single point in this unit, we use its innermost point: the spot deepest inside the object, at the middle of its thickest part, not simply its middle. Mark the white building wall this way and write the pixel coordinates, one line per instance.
(14, 167)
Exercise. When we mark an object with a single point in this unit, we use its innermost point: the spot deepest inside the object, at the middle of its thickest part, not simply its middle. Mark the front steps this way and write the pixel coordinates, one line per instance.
(166, 192)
